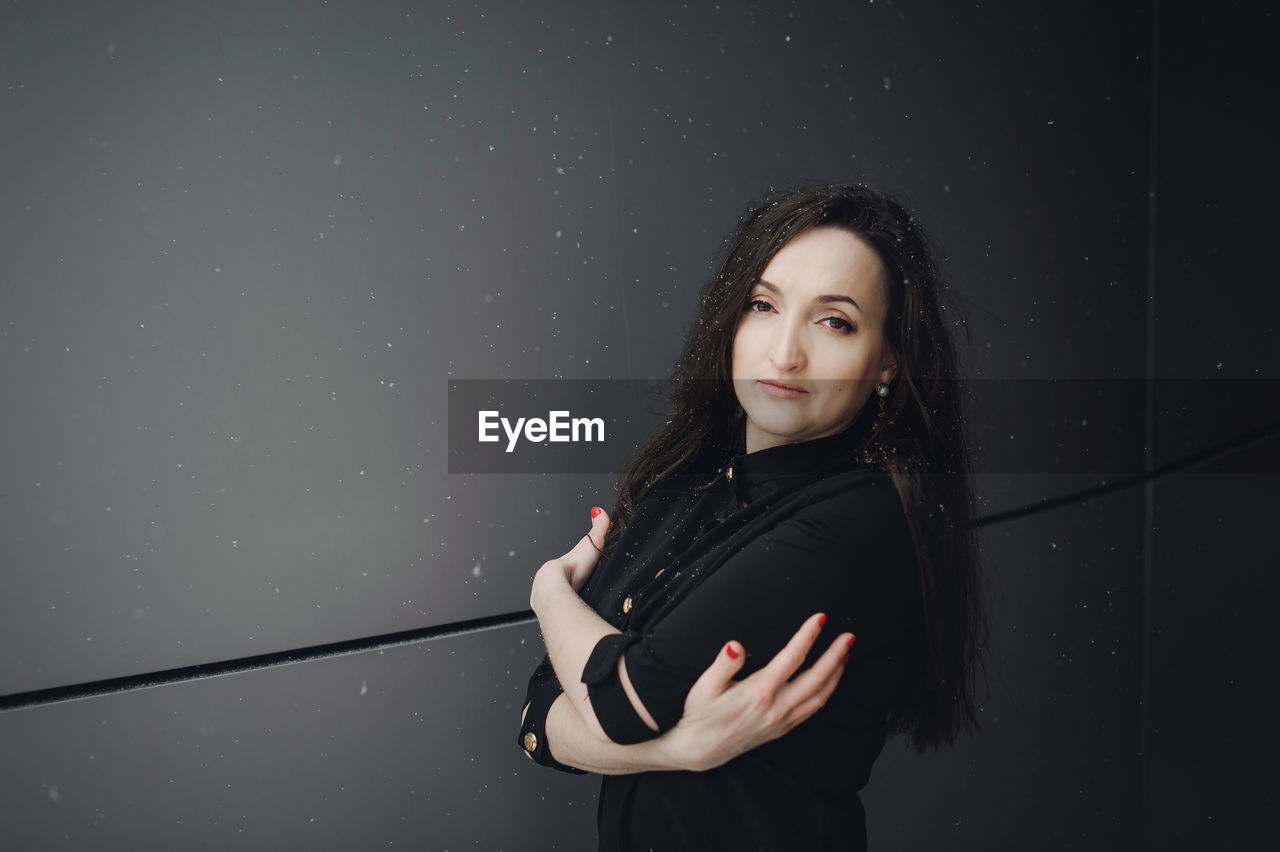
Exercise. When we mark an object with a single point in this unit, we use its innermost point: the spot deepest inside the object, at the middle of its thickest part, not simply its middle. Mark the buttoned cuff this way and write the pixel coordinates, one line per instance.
(533, 731)
(613, 709)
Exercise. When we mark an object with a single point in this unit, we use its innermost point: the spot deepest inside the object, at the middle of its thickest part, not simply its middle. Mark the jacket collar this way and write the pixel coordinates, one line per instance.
(803, 458)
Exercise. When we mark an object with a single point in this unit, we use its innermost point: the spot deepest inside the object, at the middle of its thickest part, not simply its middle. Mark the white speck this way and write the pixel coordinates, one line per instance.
(364, 687)
(488, 297)
(53, 793)
(217, 269)
(490, 147)
(337, 159)
(475, 571)
(511, 553)
(235, 542)
(887, 83)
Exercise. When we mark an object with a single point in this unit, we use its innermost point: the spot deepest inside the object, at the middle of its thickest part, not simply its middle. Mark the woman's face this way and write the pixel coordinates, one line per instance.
(810, 346)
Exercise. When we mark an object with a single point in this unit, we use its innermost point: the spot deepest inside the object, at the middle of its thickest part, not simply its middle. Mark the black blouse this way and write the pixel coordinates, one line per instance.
(779, 535)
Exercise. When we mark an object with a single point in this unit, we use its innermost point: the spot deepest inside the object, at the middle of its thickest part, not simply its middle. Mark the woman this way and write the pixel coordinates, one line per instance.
(813, 473)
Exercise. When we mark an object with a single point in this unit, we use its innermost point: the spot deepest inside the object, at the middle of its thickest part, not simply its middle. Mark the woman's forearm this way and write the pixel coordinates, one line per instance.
(574, 745)
(570, 631)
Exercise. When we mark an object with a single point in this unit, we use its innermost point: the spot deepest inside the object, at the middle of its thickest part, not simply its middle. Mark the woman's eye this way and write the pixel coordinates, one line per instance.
(759, 305)
(838, 323)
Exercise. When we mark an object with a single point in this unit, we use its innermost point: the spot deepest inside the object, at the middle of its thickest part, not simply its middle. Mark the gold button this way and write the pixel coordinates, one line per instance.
(728, 474)
(626, 605)
(531, 742)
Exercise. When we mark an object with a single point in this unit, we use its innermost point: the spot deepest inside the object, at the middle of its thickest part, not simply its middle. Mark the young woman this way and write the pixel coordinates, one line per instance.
(813, 474)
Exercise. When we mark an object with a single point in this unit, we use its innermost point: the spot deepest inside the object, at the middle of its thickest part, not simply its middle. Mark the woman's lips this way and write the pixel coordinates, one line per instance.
(781, 391)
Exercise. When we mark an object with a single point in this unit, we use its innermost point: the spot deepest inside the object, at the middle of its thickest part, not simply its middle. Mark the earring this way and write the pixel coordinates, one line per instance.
(877, 454)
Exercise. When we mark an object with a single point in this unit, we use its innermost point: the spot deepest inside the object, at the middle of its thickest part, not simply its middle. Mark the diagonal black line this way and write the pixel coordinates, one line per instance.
(127, 683)
(1178, 465)
(108, 686)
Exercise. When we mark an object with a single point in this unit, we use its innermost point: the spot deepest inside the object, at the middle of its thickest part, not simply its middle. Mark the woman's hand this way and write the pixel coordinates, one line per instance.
(723, 719)
(575, 567)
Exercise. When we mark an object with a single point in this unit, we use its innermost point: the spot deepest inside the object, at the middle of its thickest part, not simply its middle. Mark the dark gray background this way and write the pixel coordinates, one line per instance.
(246, 246)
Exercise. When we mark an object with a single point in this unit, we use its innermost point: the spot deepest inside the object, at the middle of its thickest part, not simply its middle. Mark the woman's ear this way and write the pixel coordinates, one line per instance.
(888, 366)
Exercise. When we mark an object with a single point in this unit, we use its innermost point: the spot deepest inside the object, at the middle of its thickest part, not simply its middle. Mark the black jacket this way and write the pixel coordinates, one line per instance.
(783, 533)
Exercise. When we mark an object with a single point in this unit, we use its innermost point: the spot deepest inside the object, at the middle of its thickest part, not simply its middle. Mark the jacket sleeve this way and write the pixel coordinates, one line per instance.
(837, 558)
(544, 689)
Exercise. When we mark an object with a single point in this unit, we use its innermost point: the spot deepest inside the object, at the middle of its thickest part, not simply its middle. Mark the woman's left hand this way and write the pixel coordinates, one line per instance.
(724, 718)
(575, 567)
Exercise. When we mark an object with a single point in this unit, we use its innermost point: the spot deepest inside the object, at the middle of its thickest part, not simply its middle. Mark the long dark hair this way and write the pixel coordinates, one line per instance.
(919, 440)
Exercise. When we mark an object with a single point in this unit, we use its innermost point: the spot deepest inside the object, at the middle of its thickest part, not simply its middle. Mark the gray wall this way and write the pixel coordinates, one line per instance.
(245, 249)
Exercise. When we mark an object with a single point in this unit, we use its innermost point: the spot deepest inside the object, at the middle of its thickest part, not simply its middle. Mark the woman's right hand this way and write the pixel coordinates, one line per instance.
(724, 719)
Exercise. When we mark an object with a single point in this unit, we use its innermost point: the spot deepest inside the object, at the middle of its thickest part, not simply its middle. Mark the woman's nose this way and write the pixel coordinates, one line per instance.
(786, 350)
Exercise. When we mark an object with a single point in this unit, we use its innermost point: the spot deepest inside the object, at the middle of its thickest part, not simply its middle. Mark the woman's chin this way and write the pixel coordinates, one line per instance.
(780, 430)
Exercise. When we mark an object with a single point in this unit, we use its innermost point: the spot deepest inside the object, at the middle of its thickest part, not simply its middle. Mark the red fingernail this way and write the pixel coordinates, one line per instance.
(852, 639)
(595, 511)
(844, 661)
(731, 651)
(822, 619)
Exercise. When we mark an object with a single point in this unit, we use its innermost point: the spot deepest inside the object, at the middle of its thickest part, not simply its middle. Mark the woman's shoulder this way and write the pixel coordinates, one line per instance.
(860, 490)
(851, 527)
(854, 509)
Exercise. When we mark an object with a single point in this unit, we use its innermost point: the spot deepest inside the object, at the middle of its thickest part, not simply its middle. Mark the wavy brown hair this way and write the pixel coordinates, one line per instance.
(919, 441)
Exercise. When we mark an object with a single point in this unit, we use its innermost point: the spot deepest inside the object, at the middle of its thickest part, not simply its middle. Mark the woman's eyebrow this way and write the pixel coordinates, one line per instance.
(773, 288)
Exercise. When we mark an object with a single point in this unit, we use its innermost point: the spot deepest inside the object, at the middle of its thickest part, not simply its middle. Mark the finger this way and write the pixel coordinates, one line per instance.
(805, 694)
(590, 545)
(787, 661)
(830, 663)
(717, 677)
(816, 702)
(599, 525)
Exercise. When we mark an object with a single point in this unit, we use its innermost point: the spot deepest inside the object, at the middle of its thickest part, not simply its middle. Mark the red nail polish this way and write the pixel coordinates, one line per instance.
(844, 661)
(731, 651)
(851, 640)
(595, 511)
(822, 619)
